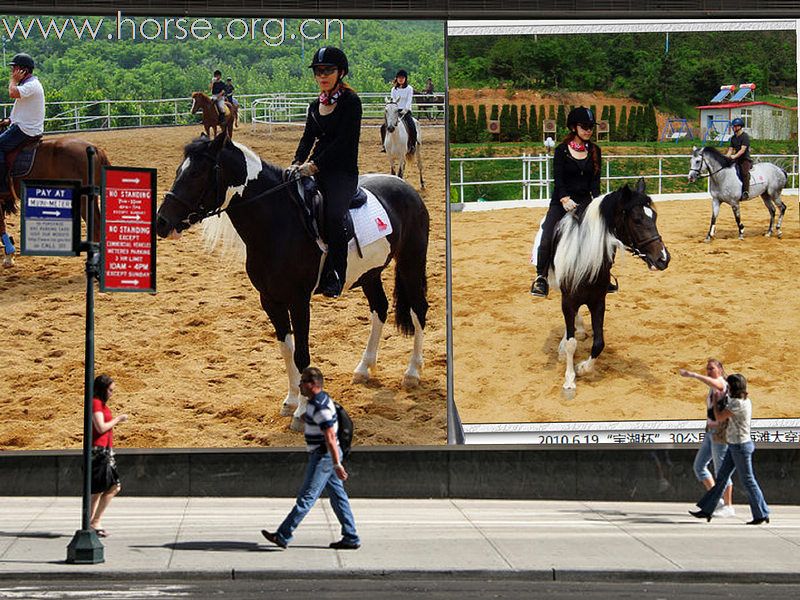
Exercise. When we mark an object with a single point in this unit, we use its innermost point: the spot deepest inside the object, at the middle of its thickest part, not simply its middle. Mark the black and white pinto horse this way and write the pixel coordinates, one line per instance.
(396, 142)
(284, 259)
(585, 246)
(766, 180)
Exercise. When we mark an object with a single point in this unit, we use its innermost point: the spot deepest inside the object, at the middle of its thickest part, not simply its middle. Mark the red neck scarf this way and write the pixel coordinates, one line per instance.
(577, 144)
(333, 96)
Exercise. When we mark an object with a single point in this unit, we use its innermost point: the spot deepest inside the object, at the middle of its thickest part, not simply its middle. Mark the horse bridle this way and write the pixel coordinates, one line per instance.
(195, 216)
(636, 244)
(703, 161)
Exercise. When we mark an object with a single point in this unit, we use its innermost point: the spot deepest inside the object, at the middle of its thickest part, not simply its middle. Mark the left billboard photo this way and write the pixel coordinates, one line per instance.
(300, 196)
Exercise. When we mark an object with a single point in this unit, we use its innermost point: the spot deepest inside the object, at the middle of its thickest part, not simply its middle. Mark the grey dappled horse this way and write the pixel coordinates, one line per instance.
(766, 180)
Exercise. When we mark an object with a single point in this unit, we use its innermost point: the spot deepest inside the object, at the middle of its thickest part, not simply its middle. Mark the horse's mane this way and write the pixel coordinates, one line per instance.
(586, 244)
(725, 161)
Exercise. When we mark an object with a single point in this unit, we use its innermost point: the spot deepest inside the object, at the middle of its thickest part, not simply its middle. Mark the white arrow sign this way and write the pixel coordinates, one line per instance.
(130, 281)
(137, 180)
(54, 213)
(131, 217)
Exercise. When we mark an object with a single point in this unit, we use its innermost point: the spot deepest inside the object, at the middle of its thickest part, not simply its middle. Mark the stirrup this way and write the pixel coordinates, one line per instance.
(613, 286)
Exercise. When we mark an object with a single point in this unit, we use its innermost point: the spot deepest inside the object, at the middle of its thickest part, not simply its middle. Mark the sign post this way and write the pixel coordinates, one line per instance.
(129, 242)
(85, 547)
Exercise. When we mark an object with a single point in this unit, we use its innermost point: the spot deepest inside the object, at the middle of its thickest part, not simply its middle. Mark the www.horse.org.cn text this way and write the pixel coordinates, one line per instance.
(270, 31)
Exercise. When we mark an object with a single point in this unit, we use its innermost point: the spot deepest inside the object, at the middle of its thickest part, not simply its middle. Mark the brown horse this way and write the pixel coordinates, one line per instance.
(56, 158)
(202, 102)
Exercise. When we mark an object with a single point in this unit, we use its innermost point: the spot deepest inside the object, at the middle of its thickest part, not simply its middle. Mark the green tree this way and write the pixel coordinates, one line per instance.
(524, 131)
(461, 128)
(471, 134)
(622, 126)
(513, 122)
(612, 123)
(451, 124)
(534, 130)
(561, 121)
(505, 124)
(483, 132)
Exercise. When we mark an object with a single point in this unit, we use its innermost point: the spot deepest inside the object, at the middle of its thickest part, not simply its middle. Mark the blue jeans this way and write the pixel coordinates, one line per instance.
(739, 456)
(320, 476)
(9, 139)
(709, 450)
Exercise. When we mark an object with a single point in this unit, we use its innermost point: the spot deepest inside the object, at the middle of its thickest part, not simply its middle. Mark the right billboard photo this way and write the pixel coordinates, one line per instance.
(624, 228)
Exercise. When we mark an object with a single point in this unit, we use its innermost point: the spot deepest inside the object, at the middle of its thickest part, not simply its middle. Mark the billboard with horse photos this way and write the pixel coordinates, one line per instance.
(619, 132)
(214, 358)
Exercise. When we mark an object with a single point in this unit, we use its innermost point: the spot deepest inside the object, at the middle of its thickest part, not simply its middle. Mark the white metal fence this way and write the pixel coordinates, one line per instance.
(291, 108)
(535, 173)
(279, 107)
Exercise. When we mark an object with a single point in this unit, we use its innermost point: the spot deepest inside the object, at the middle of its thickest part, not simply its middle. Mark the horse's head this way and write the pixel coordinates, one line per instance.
(391, 114)
(636, 227)
(696, 164)
(197, 102)
(209, 170)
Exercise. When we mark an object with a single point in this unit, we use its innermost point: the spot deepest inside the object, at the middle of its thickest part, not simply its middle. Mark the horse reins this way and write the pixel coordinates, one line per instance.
(195, 217)
(700, 171)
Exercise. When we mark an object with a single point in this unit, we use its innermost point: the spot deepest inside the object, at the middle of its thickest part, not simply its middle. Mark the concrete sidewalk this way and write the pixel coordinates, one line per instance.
(161, 538)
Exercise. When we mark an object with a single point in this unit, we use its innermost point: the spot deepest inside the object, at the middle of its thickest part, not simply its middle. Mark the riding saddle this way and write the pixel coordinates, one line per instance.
(20, 160)
(311, 202)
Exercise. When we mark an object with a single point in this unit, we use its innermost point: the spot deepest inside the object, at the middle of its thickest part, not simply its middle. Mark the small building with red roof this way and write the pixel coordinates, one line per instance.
(762, 120)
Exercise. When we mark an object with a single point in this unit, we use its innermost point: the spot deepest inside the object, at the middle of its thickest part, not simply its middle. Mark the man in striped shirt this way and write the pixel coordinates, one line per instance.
(325, 469)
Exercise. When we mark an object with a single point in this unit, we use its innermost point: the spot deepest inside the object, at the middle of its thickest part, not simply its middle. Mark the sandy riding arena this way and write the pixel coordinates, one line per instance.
(197, 364)
(731, 299)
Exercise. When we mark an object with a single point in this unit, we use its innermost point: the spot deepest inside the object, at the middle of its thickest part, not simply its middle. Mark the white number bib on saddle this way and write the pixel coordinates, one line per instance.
(370, 221)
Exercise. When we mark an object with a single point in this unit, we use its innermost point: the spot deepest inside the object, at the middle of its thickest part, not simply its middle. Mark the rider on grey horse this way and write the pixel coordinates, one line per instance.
(403, 95)
(739, 151)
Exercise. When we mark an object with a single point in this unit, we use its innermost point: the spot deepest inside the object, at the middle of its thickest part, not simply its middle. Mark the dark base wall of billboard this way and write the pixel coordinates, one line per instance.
(630, 474)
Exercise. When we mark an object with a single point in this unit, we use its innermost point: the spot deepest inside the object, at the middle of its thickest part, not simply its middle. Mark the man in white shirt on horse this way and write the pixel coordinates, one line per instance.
(26, 120)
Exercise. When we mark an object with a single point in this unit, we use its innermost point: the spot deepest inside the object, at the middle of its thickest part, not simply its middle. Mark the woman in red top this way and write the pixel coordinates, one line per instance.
(105, 479)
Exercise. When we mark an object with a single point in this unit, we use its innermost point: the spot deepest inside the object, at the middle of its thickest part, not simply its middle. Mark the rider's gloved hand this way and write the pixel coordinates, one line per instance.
(568, 203)
(307, 169)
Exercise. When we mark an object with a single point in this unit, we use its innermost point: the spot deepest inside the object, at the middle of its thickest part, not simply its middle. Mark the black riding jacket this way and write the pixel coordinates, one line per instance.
(332, 140)
(574, 178)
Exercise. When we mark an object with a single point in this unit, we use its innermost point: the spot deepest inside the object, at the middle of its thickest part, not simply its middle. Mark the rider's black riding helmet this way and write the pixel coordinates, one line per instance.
(22, 60)
(330, 56)
(580, 114)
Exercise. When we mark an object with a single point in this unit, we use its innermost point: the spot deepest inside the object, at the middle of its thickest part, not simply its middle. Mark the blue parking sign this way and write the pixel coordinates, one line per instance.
(50, 222)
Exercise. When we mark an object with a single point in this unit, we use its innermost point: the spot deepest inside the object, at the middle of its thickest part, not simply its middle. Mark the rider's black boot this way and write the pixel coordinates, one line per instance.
(330, 284)
(540, 288)
(613, 285)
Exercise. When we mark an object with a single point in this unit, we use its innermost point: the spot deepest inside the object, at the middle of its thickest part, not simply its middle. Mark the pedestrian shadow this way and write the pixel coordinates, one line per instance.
(224, 546)
(41, 535)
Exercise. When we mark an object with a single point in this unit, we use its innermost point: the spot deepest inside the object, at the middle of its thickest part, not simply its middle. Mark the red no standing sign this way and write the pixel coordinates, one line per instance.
(129, 242)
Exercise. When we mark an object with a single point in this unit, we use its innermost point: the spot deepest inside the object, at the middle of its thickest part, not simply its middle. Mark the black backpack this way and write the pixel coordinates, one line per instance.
(345, 434)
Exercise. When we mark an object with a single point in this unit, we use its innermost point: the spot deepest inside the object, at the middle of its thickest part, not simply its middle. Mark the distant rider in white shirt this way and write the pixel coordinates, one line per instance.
(403, 95)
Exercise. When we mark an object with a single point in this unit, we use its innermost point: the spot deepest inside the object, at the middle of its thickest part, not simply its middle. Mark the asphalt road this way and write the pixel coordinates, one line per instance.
(389, 589)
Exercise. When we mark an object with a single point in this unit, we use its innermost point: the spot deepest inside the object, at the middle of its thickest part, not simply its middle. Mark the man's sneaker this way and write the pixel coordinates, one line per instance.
(745, 195)
(273, 537)
(540, 287)
(343, 544)
(725, 511)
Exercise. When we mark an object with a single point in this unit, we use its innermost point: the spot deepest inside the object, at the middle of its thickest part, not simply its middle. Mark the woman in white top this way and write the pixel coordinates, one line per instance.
(714, 443)
(403, 95)
(738, 413)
